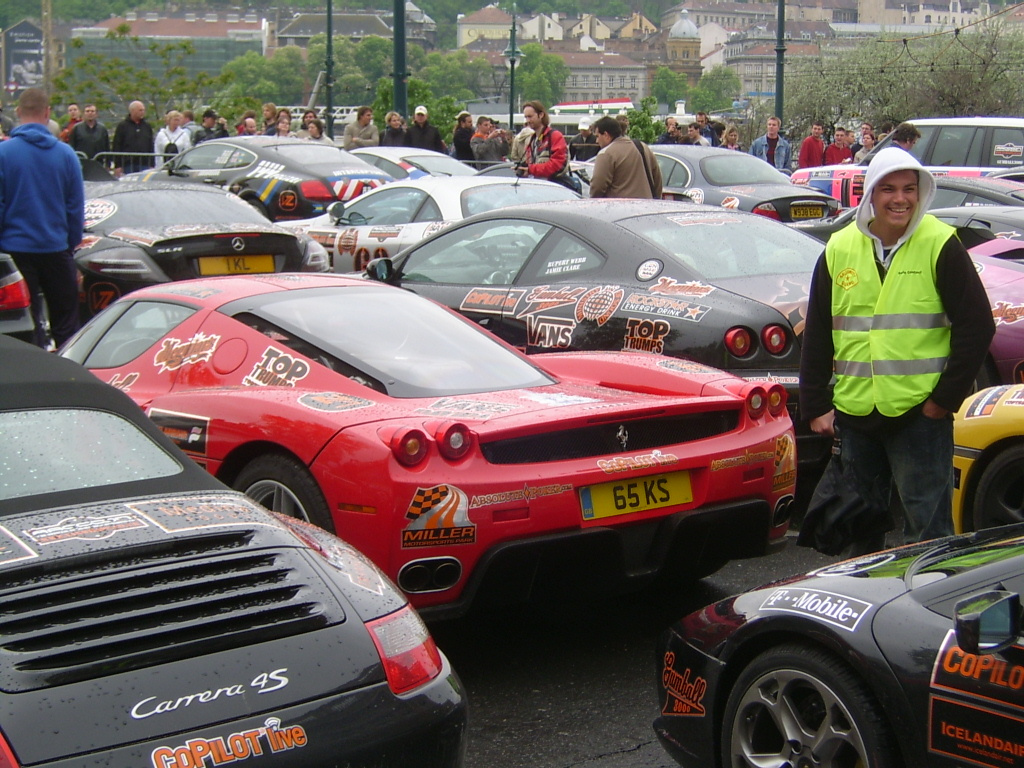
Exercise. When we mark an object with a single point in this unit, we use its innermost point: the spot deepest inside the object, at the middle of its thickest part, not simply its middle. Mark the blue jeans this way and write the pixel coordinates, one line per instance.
(918, 458)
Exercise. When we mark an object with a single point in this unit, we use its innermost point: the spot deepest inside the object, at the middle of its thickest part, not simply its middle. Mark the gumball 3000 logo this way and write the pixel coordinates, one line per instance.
(276, 369)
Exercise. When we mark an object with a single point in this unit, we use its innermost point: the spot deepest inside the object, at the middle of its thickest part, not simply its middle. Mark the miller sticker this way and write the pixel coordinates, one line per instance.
(271, 738)
(276, 369)
(683, 692)
(837, 610)
(438, 515)
(174, 353)
(785, 462)
(1005, 313)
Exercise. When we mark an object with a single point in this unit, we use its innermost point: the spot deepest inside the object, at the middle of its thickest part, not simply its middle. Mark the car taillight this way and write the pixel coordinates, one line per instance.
(757, 402)
(767, 209)
(7, 758)
(14, 293)
(408, 651)
(777, 397)
(453, 440)
(409, 446)
(774, 338)
(314, 189)
(738, 341)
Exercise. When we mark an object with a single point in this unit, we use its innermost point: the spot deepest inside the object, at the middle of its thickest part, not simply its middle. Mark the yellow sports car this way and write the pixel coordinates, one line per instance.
(988, 459)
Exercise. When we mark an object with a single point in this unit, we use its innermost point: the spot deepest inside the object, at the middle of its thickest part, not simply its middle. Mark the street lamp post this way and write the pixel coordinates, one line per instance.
(512, 54)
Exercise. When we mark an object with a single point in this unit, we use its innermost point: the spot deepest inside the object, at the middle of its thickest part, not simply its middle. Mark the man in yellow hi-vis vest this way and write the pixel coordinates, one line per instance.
(897, 312)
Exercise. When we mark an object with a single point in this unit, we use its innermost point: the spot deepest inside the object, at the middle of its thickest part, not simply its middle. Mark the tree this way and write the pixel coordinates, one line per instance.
(667, 87)
(716, 90)
(641, 121)
(540, 76)
(959, 73)
(281, 79)
(151, 72)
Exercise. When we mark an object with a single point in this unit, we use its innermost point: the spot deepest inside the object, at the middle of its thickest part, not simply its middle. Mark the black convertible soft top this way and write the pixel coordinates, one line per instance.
(31, 378)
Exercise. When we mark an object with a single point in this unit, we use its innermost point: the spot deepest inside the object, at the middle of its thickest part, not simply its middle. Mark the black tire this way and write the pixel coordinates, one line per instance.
(801, 706)
(999, 499)
(260, 207)
(282, 484)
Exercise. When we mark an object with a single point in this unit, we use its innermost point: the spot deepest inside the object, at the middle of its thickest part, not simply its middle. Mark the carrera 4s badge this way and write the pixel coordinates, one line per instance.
(265, 682)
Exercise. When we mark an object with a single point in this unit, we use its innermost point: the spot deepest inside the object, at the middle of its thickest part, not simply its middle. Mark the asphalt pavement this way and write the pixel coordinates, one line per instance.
(566, 685)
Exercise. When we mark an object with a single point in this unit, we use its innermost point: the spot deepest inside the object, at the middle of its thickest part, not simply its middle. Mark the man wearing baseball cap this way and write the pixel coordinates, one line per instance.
(583, 146)
(214, 127)
(421, 134)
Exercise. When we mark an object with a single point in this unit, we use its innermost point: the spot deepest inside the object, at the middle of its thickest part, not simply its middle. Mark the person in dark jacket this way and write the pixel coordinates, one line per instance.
(393, 134)
(134, 135)
(583, 146)
(463, 136)
(90, 136)
(42, 215)
(421, 134)
(214, 127)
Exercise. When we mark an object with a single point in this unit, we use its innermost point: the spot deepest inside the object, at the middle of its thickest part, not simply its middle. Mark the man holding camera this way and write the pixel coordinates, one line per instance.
(213, 127)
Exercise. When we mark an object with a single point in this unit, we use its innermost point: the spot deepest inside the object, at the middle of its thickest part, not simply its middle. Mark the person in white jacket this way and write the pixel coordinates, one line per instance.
(173, 138)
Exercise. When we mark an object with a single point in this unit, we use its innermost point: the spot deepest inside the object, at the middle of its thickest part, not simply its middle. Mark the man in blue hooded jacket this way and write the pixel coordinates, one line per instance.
(42, 214)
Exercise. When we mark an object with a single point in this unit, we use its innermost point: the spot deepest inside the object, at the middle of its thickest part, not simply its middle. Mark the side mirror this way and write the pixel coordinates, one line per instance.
(381, 270)
(988, 622)
(336, 211)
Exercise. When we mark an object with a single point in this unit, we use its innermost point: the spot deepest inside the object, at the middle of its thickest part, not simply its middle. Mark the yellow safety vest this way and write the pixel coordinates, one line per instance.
(891, 339)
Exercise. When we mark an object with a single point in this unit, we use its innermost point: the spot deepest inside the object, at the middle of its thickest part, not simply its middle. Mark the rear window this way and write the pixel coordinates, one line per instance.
(493, 196)
(64, 449)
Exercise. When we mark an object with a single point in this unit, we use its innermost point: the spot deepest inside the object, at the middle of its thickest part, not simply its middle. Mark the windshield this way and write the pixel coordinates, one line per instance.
(721, 245)
(493, 196)
(159, 207)
(393, 341)
(30, 465)
(738, 168)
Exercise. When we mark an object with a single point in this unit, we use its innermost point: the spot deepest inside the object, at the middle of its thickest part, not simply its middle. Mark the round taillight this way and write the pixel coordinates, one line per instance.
(777, 397)
(409, 446)
(757, 402)
(453, 440)
(738, 341)
(774, 338)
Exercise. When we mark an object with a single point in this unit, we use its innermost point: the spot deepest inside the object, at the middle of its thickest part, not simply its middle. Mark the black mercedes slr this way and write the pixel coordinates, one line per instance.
(153, 618)
(140, 234)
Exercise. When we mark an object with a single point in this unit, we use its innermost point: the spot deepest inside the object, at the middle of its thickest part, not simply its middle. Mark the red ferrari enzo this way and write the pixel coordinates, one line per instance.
(466, 470)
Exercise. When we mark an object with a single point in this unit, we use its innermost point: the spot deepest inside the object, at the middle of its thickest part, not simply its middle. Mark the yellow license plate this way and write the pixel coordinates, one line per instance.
(807, 211)
(637, 494)
(235, 265)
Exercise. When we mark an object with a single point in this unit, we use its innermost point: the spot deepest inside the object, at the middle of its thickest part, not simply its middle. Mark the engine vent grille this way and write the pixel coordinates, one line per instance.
(606, 439)
(137, 608)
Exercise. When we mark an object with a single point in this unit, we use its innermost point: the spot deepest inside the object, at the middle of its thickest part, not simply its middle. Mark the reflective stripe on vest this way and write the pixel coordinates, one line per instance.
(891, 340)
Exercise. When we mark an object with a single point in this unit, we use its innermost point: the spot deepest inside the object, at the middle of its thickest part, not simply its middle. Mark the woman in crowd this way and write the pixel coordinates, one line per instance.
(393, 134)
(284, 124)
(731, 138)
(172, 138)
(867, 143)
(315, 131)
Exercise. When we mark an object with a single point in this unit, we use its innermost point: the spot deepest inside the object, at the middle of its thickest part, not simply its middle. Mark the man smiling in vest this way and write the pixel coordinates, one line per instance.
(898, 312)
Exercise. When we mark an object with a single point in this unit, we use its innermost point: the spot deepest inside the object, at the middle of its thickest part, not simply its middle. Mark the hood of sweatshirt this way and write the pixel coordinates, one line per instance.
(35, 133)
(885, 162)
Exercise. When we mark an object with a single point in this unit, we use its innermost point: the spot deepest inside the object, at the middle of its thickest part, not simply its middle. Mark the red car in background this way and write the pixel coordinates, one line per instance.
(464, 469)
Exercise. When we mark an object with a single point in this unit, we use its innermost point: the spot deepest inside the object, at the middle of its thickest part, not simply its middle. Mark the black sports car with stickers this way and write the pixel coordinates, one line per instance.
(152, 618)
(723, 288)
(143, 234)
(281, 178)
(909, 657)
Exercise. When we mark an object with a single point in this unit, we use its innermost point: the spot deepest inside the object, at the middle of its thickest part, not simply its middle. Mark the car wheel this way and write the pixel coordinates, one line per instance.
(800, 706)
(1000, 496)
(282, 484)
(258, 206)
